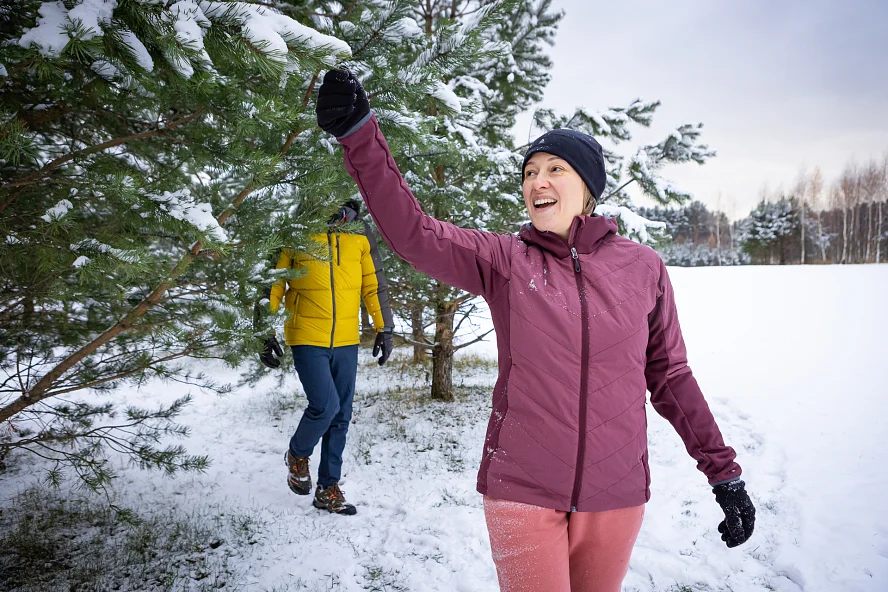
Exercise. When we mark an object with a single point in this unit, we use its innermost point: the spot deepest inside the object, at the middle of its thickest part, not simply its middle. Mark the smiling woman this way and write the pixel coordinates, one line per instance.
(586, 323)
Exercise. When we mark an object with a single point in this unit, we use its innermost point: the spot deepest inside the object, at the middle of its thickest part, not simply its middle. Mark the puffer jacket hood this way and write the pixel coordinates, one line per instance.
(584, 328)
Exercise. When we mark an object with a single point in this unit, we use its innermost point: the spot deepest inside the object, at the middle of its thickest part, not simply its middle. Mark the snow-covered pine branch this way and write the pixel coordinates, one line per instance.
(633, 226)
(185, 25)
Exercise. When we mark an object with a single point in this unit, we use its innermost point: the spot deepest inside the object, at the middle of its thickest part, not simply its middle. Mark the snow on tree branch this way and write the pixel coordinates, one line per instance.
(272, 33)
(271, 29)
(180, 206)
(612, 123)
(681, 146)
(634, 226)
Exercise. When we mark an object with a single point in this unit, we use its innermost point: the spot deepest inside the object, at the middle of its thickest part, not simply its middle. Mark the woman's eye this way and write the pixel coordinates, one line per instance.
(557, 168)
(528, 174)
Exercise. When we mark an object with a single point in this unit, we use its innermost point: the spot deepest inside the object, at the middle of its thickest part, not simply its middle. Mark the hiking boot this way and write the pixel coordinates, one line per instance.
(299, 478)
(332, 500)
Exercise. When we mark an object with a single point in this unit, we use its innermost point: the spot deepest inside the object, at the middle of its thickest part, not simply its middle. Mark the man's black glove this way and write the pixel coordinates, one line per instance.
(739, 520)
(384, 343)
(271, 352)
(342, 102)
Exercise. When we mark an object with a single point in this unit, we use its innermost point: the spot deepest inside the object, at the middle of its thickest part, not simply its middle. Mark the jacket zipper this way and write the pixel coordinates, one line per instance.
(332, 286)
(584, 380)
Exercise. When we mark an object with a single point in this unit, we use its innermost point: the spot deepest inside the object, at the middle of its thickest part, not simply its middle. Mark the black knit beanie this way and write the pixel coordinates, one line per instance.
(580, 150)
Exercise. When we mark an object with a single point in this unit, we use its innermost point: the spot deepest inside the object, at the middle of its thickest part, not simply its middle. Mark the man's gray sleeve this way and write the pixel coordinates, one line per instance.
(382, 288)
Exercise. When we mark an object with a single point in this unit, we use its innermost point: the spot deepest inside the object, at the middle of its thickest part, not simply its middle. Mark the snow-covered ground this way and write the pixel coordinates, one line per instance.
(793, 363)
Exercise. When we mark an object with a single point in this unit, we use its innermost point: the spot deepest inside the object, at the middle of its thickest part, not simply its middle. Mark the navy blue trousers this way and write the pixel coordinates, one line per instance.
(328, 377)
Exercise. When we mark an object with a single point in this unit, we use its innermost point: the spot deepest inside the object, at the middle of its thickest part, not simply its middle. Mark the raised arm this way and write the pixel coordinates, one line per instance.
(475, 261)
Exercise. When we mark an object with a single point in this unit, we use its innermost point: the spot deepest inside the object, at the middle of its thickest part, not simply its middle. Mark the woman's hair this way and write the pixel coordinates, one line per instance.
(589, 203)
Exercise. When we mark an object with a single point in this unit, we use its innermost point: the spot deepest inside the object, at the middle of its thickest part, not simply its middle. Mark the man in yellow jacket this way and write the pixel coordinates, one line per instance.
(323, 334)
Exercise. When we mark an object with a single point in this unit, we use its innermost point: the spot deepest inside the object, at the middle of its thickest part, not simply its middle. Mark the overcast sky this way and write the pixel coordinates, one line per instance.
(778, 85)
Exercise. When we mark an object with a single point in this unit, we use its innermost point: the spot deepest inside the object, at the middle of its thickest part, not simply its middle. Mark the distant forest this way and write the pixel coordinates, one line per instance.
(846, 222)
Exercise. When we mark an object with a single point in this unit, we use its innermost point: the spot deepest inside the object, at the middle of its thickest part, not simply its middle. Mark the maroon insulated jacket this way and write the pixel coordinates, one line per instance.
(583, 328)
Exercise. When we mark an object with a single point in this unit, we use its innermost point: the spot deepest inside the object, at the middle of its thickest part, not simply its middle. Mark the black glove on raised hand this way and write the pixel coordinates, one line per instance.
(739, 520)
(271, 352)
(342, 102)
(385, 344)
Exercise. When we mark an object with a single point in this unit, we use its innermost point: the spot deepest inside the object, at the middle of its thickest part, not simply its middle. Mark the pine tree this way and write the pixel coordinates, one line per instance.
(145, 148)
(469, 176)
(766, 233)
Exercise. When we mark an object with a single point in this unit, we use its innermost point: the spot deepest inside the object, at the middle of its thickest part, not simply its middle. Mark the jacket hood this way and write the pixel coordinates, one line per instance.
(585, 233)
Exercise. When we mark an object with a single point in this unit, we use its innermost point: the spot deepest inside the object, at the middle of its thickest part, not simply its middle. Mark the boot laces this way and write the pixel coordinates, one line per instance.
(335, 494)
(299, 464)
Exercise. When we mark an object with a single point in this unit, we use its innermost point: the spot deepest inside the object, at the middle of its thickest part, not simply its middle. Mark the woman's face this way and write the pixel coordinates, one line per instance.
(553, 193)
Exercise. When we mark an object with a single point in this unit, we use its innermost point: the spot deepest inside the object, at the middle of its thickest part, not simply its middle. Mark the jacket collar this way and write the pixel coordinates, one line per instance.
(585, 234)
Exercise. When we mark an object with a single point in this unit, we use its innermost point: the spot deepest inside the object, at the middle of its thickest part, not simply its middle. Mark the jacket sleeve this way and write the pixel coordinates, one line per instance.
(471, 260)
(279, 288)
(374, 290)
(675, 394)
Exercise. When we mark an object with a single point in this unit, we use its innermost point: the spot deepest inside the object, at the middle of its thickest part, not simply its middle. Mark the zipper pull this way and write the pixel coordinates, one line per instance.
(576, 258)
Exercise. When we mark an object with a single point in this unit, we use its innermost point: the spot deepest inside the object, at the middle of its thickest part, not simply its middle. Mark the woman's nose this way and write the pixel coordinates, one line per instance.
(540, 182)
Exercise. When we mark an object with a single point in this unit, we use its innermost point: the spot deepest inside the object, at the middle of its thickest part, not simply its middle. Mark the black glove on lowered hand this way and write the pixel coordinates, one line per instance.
(342, 102)
(384, 343)
(271, 352)
(739, 520)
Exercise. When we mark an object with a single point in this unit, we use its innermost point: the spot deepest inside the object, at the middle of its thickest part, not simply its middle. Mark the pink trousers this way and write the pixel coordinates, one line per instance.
(542, 550)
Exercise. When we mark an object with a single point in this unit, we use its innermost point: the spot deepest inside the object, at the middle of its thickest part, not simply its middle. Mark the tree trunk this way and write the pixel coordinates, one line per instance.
(802, 258)
(417, 332)
(820, 236)
(869, 233)
(844, 258)
(863, 238)
(442, 352)
(879, 236)
(855, 234)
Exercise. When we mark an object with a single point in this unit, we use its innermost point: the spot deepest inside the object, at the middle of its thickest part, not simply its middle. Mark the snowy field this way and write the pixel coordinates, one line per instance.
(792, 360)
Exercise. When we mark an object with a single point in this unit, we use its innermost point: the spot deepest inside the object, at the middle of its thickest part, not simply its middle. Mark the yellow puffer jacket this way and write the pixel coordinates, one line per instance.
(324, 304)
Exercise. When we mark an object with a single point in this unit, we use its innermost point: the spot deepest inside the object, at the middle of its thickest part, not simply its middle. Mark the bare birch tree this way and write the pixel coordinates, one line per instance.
(882, 196)
(800, 192)
(847, 194)
(815, 190)
(869, 195)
